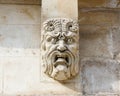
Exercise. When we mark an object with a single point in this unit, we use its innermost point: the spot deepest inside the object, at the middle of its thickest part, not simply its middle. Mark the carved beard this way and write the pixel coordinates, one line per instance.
(60, 65)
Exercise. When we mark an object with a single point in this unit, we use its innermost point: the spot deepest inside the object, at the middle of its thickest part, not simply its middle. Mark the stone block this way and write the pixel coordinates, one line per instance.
(101, 94)
(1, 76)
(48, 89)
(91, 3)
(99, 4)
(105, 94)
(21, 74)
(116, 40)
(20, 1)
(57, 89)
(19, 14)
(112, 4)
(95, 41)
(20, 36)
(100, 76)
(58, 9)
(88, 16)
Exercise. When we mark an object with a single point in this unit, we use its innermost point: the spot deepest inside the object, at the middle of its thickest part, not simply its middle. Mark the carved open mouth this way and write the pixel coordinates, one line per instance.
(61, 60)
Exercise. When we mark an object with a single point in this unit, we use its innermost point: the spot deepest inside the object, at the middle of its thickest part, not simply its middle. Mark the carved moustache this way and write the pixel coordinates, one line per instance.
(61, 58)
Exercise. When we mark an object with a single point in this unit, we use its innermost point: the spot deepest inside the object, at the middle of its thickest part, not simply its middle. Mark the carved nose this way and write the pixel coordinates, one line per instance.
(61, 47)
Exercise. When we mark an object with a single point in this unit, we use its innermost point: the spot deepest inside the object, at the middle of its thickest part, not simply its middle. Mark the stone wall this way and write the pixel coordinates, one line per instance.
(20, 66)
(99, 47)
(19, 46)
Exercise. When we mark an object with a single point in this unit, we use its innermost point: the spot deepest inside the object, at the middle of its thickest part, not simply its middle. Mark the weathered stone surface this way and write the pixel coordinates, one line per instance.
(47, 89)
(19, 14)
(88, 16)
(60, 48)
(19, 48)
(105, 94)
(20, 36)
(1, 76)
(21, 73)
(112, 4)
(95, 41)
(76, 80)
(91, 3)
(57, 88)
(99, 4)
(100, 75)
(20, 66)
(116, 40)
(56, 8)
(101, 94)
(21, 1)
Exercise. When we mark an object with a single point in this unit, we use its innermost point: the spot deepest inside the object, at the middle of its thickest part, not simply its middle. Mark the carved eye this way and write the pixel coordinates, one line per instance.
(51, 27)
(69, 40)
(52, 40)
(70, 26)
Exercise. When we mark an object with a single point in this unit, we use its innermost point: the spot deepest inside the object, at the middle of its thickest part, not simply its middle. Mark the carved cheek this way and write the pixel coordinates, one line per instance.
(73, 48)
(50, 46)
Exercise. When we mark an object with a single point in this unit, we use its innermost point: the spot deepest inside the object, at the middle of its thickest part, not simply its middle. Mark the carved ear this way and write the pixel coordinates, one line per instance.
(43, 43)
(43, 46)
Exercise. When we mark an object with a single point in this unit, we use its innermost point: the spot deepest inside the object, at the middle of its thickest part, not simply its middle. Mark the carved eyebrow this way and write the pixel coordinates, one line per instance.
(50, 35)
(74, 36)
(71, 35)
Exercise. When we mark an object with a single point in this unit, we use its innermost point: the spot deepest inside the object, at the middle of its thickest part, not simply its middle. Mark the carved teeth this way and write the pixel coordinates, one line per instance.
(61, 60)
(61, 57)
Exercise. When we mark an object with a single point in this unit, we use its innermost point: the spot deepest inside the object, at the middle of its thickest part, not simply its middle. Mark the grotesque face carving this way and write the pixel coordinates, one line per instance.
(60, 48)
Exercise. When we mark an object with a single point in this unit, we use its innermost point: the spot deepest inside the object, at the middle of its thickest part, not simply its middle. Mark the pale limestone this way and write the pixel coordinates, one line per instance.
(116, 40)
(113, 3)
(76, 79)
(20, 1)
(19, 14)
(20, 36)
(21, 73)
(91, 3)
(22, 52)
(56, 8)
(102, 94)
(45, 88)
(103, 17)
(19, 48)
(100, 76)
(60, 48)
(20, 66)
(99, 4)
(95, 41)
(1, 76)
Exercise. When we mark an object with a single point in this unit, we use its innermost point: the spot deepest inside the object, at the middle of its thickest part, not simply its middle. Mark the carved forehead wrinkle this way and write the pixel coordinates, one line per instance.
(51, 34)
(71, 34)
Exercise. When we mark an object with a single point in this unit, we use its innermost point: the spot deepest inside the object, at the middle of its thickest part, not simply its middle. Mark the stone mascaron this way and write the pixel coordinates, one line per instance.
(60, 48)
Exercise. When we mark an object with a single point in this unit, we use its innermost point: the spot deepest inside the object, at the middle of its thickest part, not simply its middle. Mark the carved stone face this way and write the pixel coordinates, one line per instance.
(60, 48)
